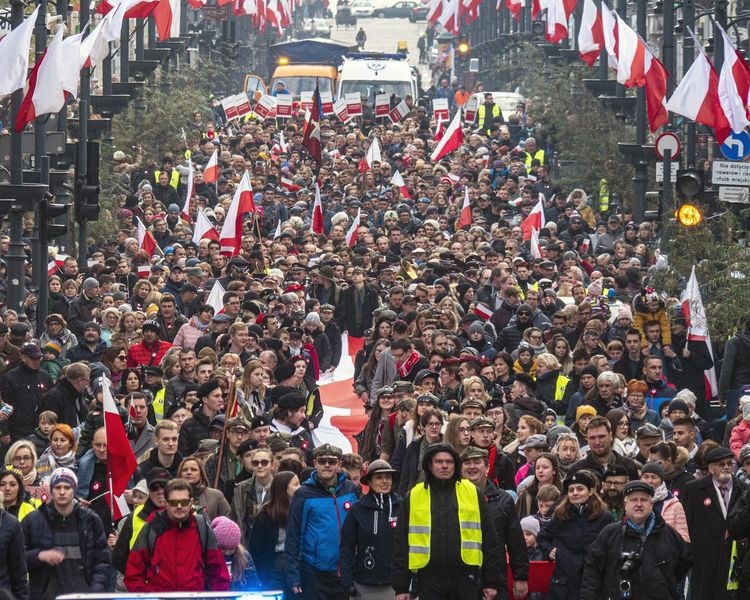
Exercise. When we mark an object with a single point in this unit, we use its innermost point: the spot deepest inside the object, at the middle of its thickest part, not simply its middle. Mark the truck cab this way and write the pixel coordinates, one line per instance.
(372, 73)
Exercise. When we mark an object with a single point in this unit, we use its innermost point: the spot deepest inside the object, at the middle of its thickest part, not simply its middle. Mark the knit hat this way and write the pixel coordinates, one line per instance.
(585, 409)
(312, 318)
(90, 283)
(52, 347)
(745, 407)
(476, 327)
(654, 468)
(590, 370)
(227, 533)
(530, 524)
(678, 405)
(63, 475)
(625, 313)
(744, 453)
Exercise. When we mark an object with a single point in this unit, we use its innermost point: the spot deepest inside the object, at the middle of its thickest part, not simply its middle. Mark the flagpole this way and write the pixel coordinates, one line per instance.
(227, 415)
(111, 495)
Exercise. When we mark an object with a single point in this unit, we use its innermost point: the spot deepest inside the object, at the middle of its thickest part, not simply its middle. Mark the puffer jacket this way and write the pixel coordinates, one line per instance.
(192, 432)
(188, 334)
(12, 557)
(674, 516)
(740, 436)
(367, 540)
(38, 531)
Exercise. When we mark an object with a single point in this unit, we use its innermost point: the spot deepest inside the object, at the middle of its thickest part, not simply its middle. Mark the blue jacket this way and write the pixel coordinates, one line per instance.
(313, 533)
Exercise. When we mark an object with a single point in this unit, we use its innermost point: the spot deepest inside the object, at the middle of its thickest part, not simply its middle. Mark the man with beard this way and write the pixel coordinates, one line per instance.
(600, 456)
(613, 482)
(511, 336)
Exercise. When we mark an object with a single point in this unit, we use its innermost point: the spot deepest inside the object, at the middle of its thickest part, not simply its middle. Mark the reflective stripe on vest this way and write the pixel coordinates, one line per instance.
(539, 155)
(138, 524)
(560, 385)
(420, 525)
(174, 178)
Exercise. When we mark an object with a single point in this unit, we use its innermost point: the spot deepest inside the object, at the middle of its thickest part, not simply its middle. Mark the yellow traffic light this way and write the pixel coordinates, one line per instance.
(689, 215)
(463, 47)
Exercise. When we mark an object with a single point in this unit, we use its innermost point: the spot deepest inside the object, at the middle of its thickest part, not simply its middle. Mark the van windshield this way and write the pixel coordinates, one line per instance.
(370, 89)
(296, 85)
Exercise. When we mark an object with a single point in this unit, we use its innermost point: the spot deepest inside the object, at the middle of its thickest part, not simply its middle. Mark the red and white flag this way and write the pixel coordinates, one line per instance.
(216, 298)
(439, 129)
(609, 31)
(185, 214)
(697, 97)
(483, 311)
(399, 111)
(60, 260)
(280, 147)
(121, 463)
(464, 217)
(734, 85)
(630, 55)
(311, 138)
(146, 241)
(134, 9)
(372, 156)
(51, 268)
(167, 18)
(242, 203)
(351, 234)
(656, 92)
(697, 325)
(452, 139)
(14, 55)
(204, 229)
(316, 224)
(515, 7)
(211, 172)
(45, 94)
(398, 181)
(590, 36)
(143, 271)
(277, 233)
(558, 14)
(534, 244)
(288, 184)
(535, 220)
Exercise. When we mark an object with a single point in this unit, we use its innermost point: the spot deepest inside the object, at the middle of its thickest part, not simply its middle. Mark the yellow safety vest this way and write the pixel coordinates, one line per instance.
(420, 525)
(158, 405)
(28, 506)
(174, 179)
(560, 385)
(482, 110)
(138, 524)
(539, 155)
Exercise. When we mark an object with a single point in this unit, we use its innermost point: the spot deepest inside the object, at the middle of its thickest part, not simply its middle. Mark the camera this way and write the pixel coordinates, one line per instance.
(629, 562)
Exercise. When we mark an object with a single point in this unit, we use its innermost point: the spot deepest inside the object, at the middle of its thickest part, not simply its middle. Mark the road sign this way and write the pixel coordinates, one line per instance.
(667, 141)
(736, 146)
(730, 173)
(739, 195)
(672, 172)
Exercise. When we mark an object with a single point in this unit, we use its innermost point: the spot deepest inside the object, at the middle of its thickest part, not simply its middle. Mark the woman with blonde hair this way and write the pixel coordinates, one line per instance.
(560, 348)
(206, 498)
(251, 391)
(551, 385)
(474, 387)
(141, 290)
(22, 456)
(127, 333)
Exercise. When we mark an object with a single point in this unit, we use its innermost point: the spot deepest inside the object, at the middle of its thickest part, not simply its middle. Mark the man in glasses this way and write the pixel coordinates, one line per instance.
(238, 430)
(512, 335)
(156, 479)
(177, 550)
(316, 515)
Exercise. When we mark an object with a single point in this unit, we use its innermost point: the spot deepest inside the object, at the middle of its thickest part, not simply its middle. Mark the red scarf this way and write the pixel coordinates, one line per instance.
(405, 368)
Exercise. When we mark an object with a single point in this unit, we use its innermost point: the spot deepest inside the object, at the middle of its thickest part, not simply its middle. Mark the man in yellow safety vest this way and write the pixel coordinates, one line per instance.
(460, 555)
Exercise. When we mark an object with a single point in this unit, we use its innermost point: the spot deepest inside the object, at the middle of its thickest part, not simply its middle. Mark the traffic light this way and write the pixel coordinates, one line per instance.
(87, 188)
(538, 28)
(463, 47)
(49, 210)
(690, 187)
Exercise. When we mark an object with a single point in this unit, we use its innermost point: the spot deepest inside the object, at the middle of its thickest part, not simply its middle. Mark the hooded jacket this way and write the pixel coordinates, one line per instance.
(735, 370)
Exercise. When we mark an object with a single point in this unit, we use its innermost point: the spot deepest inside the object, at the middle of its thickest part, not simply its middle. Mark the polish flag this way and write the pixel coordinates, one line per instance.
(14, 55)
(204, 229)
(734, 85)
(464, 217)
(121, 463)
(534, 244)
(134, 9)
(515, 7)
(216, 298)
(439, 129)
(211, 172)
(167, 18)
(351, 234)
(289, 184)
(146, 241)
(316, 225)
(60, 260)
(373, 155)
(242, 203)
(51, 268)
(185, 214)
(697, 97)
(535, 220)
(452, 140)
(450, 15)
(558, 14)
(656, 92)
(280, 147)
(398, 181)
(143, 271)
(483, 311)
(697, 325)
(277, 233)
(609, 32)
(630, 56)
(71, 69)
(45, 94)
(590, 36)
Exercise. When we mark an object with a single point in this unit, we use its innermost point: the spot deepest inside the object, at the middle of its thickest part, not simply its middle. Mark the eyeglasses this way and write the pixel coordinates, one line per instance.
(329, 462)
(155, 487)
(614, 483)
(434, 425)
(261, 463)
(239, 431)
(464, 429)
(121, 356)
(24, 458)
(524, 313)
(175, 503)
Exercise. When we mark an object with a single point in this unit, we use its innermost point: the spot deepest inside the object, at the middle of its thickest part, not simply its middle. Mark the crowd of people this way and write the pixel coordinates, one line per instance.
(536, 426)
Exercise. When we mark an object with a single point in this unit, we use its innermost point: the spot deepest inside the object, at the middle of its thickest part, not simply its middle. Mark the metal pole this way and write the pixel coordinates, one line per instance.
(688, 54)
(62, 117)
(39, 251)
(667, 183)
(125, 51)
(668, 53)
(640, 179)
(83, 134)
(40, 127)
(139, 38)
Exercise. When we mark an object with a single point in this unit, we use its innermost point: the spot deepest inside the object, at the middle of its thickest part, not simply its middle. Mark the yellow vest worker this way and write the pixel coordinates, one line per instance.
(484, 125)
(538, 155)
(174, 178)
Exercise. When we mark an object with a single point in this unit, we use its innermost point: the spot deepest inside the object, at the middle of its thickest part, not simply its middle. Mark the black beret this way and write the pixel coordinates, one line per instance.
(292, 400)
(208, 387)
(283, 371)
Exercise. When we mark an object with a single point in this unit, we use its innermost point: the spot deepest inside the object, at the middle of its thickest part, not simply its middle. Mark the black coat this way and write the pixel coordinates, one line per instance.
(708, 528)
(572, 538)
(192, 432)
(38, 531)
(67, 403)
(262, 544)
(592, 465)
(665, 560)
(344, 313)
(411, 469)
(13, 558)
(81, 352)
(367, 540)
(739, 529)
(23, 389)
(80, 312)
(688, 372)
(509, 534)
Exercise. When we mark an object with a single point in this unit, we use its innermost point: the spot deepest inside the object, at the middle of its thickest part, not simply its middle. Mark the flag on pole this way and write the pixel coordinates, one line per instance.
(590, 36)
(242, 203)
(483, 311)
(51, 268)
(121, 463)
(734, 85)
(372, 156)
(277, 233)
(167, 18)
(452, 139)
(535, 220)
(211, 172)
(398, 181)
(14, 55)
(352, 233)
(464, 218)
(697, 324)
(534, 243)
(143, 271)
(311, 139)
(317, 216)
(216, 297)
(185, 214)
(146, 241)
(204, 229)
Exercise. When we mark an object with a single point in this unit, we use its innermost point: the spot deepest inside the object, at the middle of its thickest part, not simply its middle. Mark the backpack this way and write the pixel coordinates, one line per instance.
(203, 526)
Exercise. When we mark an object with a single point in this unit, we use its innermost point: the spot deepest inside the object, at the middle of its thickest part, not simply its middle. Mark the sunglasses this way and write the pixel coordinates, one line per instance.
(154, 487)
(327, 461)
(183, 503)
(262, 463)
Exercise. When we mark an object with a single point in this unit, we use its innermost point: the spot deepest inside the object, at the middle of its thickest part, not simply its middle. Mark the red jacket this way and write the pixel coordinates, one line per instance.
(176, 559)
(142, 355)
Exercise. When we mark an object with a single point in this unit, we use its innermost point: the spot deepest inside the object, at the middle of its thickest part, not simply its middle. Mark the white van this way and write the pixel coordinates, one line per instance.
(370, 74)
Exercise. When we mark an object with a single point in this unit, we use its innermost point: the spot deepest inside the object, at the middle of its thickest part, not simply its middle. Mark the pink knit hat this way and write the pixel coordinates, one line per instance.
(227, 533)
